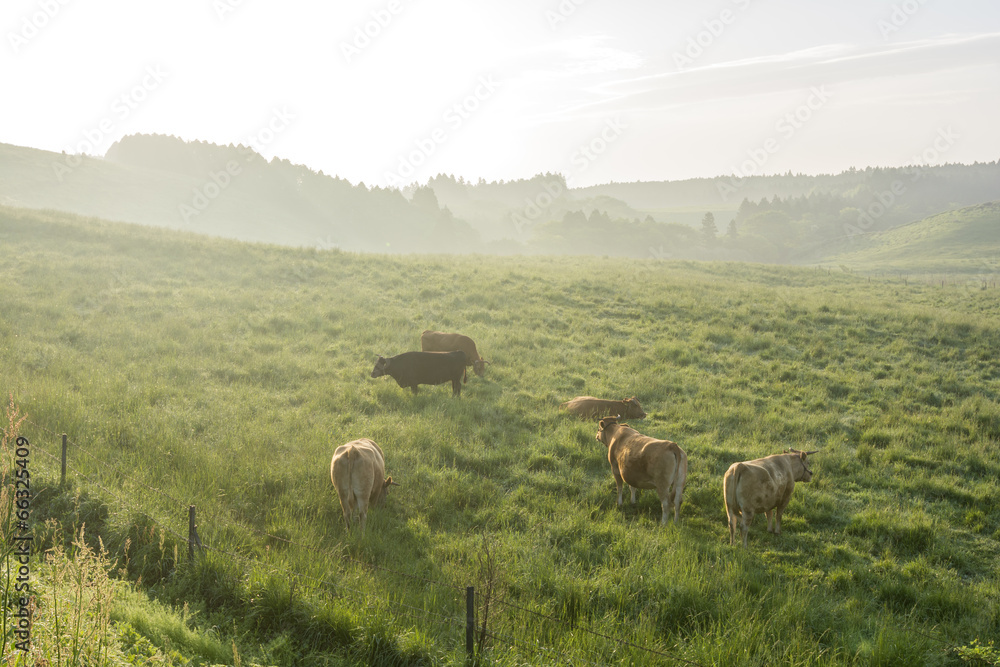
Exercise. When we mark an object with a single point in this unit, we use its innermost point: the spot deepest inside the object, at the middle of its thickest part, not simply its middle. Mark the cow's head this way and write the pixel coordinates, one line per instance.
(803, 471)
(385, 490)
(605, 427)
(381, 367)
(632, 408)
(479, 367)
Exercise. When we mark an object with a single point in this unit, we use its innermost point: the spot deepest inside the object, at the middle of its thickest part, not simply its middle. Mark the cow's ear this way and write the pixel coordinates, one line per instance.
(389, 482)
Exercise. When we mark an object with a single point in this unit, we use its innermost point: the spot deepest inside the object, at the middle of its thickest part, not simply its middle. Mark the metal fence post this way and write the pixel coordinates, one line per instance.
(470, 620)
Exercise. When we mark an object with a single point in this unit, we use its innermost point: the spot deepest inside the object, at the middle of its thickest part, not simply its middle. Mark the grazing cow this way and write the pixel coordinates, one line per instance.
(643, 462)
(762, 485)
(356, 472)
(589, 407)
(412, 368)
(438, 341)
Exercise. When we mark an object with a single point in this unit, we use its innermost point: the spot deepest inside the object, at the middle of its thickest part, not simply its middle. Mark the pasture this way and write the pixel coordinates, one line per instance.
(225, 375)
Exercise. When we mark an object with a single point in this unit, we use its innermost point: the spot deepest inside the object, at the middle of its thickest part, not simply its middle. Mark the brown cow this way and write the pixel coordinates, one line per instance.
(356, 471)
(762, 485)
(438, 341)
(589, 407)
(643, 462)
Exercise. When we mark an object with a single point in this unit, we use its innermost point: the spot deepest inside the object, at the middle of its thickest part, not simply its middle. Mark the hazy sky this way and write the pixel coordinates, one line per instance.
(392, 91)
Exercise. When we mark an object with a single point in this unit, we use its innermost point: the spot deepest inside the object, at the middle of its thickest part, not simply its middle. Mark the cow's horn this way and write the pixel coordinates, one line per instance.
(812, 452)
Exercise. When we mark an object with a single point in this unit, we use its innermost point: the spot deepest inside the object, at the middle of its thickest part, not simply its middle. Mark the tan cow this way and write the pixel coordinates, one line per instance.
(589, 407)
(762, 485)
(356, 471)
(643, 462)
(438, 341)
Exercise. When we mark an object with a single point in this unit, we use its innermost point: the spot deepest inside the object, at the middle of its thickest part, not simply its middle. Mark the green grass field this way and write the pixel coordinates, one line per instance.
(965, 241)
(224, 375)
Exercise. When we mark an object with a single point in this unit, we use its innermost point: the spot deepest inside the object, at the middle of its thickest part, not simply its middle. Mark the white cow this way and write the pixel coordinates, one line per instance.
(643, 462)
(762, 485)
(356, 472)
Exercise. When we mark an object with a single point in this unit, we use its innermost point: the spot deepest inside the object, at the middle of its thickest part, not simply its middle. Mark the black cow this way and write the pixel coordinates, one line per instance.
(412, 368)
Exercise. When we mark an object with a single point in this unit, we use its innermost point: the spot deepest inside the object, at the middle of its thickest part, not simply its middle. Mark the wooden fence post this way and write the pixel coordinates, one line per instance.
(62, 479)
(192, 533)
(470, 620)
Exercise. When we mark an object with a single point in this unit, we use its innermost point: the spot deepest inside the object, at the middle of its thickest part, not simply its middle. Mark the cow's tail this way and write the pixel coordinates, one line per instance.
(352, 456)
(680, 480)
(465, 375)
(732, 483)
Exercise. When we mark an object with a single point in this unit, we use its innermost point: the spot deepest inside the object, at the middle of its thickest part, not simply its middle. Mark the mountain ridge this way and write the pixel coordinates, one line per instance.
(232, 191)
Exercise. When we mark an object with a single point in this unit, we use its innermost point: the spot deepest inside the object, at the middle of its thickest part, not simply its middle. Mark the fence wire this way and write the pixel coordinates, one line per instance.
(369, 599)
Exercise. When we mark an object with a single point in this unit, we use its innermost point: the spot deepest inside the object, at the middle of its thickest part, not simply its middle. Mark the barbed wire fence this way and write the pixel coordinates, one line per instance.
(508, 631)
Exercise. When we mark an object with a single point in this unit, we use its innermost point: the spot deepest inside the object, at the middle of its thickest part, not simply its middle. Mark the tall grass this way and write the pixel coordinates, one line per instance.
(224, 376)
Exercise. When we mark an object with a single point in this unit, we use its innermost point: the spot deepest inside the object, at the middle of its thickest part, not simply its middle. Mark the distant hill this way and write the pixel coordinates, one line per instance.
(928, 189)
(232, 191)
(228, 191)
(967, 239)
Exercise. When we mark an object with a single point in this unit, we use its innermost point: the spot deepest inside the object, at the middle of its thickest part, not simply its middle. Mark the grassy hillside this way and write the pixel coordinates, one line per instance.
(230, 192)
(967, 240)
(223, 375)
(233, 192)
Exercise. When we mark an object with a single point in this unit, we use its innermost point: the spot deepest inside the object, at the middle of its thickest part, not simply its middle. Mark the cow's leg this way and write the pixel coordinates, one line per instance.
(456, 387)
(745, 524)
(618, 479)
(345, 507)
(665, 506)
(362, 515)
(768, 514)
(777, 519)
(732, 525)
(635, 492)
(414, 389)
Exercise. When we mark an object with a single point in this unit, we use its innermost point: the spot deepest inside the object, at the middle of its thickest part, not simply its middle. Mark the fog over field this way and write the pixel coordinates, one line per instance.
(506, 129)
(773, 224)
(392, 93)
